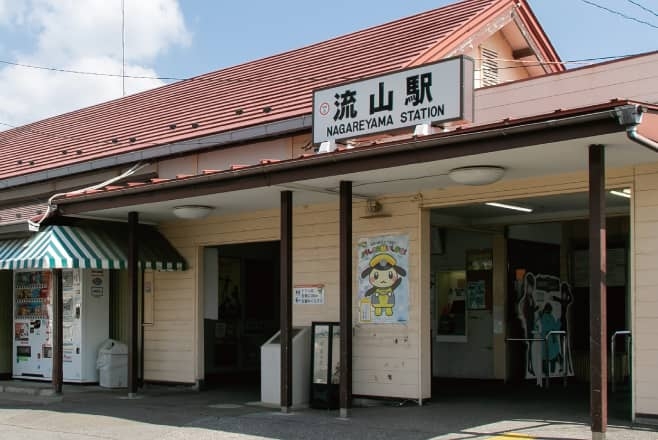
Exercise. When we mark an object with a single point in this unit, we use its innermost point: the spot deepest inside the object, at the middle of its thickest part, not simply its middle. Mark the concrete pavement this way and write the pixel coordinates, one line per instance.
(178, 413)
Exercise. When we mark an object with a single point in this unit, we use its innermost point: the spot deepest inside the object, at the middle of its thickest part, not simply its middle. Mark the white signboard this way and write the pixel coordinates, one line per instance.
(309, 294)
(432, 93)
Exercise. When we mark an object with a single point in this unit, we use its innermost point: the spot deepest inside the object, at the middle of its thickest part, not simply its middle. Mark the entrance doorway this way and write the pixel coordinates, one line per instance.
(528, 260)
(241, 299)
(538, 262)
(462, 278)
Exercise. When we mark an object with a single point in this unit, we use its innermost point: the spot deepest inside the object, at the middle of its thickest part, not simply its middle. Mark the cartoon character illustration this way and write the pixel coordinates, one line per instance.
(384, 275)
(542, 308)
(549, 324)
(527, 309)
(564, 300)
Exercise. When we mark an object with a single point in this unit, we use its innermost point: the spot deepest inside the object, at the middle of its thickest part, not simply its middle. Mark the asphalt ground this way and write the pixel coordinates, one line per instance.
(233, 412)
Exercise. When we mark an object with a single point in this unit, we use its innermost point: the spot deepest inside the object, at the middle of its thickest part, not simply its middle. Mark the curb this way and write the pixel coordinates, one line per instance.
(29, 391)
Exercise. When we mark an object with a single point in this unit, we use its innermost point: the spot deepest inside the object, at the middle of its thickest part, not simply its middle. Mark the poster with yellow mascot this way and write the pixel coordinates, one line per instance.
(383, 283)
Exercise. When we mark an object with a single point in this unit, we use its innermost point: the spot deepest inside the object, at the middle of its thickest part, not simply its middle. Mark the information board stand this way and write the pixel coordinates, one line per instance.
(325, 365)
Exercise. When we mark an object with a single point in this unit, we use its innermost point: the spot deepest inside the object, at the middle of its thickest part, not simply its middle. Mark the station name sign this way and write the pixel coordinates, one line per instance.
(432, 93)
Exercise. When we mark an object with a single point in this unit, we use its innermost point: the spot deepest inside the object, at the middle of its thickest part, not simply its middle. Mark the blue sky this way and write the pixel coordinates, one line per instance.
(183, 38)
(228, 33)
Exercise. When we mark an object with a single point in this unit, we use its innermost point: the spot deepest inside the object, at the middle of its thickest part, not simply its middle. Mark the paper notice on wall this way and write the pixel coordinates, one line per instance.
(309, 294)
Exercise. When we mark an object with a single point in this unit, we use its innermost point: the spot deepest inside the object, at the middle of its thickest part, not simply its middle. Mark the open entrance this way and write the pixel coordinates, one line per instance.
(510, 297)
(241, 303)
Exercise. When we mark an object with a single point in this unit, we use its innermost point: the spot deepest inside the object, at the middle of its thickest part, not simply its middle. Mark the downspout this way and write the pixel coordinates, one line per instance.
(633, 135)
(631, 117)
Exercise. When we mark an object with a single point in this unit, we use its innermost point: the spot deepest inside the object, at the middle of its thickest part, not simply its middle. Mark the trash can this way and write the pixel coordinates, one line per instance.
(112, 364)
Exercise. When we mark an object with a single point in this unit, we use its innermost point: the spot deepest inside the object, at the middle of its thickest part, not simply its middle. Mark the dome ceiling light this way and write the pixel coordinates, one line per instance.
(192, 212)
(477, 175)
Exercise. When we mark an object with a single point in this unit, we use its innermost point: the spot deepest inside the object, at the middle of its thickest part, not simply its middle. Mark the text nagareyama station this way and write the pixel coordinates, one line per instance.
(438, 92)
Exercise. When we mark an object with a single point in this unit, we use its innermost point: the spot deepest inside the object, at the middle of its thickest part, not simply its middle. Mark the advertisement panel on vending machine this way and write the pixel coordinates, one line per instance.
(32, 347)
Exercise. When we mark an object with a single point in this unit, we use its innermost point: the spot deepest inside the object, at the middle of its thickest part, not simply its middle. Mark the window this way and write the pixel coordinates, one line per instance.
(451, 306)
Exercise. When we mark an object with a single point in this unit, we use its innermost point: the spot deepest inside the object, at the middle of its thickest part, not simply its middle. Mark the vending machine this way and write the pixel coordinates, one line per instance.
(32, 325)
(85, 323)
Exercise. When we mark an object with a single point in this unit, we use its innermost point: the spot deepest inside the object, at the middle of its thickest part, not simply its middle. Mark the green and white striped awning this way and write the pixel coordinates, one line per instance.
(61, 247)
(10, 247)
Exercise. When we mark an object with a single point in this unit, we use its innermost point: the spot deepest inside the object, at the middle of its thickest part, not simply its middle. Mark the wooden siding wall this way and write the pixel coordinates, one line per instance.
(634, 78)
(644, 304)
(173, 344)
(389, 360)
(315, 259)
(169, 353)
(386, 358)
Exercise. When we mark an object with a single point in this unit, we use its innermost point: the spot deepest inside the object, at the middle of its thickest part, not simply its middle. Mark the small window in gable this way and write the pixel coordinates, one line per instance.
(489, 66)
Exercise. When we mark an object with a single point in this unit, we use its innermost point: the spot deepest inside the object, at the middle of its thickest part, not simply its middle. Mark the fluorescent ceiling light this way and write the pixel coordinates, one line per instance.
(506, 206)
(626, 192)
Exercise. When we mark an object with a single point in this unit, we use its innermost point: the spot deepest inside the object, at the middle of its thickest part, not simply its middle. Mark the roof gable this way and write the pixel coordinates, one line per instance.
(261, 91)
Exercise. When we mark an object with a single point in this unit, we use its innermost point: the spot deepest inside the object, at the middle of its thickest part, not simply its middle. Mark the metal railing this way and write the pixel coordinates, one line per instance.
(540, 375)
(629, 337)
(563, 346)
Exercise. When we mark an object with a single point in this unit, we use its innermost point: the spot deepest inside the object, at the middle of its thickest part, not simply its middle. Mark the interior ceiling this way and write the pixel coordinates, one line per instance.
(520, 163)
(545, 208)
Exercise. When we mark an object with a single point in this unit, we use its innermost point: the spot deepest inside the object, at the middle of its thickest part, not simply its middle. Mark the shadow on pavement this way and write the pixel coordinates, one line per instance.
(458, 409)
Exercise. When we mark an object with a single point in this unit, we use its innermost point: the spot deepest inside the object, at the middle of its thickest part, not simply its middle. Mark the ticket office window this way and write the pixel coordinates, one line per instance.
(451, 306)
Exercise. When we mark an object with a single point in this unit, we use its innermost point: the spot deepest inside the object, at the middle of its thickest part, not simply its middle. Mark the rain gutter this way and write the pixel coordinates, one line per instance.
(631, 116)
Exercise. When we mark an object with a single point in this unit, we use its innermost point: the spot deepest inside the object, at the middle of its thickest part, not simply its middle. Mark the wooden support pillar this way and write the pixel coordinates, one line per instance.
(345, 261)
(597, 293)
(58, 342)
(286, 300)
(133, 275)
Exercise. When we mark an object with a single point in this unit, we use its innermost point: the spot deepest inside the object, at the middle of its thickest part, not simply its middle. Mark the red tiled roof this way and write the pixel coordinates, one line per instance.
(22, 214)
(270, 89)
